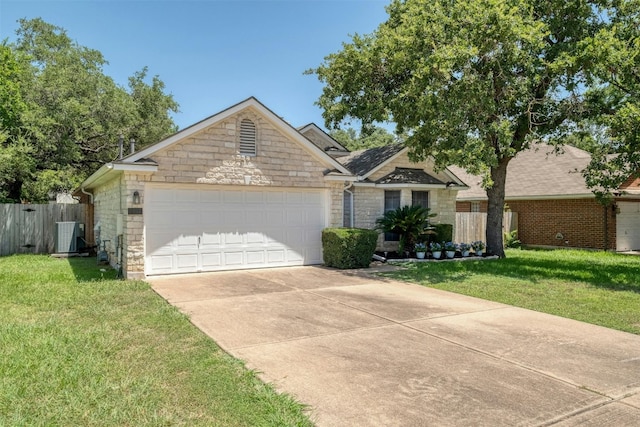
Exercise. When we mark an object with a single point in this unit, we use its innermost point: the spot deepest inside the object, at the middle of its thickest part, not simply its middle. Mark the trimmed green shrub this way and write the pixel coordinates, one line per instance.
(444, 233)
(348, 247)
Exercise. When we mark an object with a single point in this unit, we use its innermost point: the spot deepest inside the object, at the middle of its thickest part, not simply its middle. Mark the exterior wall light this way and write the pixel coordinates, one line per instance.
(136, 198)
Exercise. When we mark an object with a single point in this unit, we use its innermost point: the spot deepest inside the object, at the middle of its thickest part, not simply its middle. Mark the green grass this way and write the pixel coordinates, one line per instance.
(595, 287)
(80, 348)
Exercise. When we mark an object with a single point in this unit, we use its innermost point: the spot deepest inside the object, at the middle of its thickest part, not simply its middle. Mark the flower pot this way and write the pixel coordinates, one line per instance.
(479, 252)
(420, 255)
(465, 253)
(451, 254)
(436, 254)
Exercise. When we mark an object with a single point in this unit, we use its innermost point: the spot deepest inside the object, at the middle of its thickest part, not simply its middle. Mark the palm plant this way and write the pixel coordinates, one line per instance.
(409, 222)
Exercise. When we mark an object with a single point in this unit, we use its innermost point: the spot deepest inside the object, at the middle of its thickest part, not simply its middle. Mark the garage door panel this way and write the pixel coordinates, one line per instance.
(187, 262)
(255, 257)
(211, 260)
(189, 230)
(233, 258)
(628, 226)
(209, 238)
(294, 256)
(255, 238)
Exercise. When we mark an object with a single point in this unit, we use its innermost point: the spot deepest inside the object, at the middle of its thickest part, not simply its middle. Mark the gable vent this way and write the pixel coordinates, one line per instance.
(247, 138)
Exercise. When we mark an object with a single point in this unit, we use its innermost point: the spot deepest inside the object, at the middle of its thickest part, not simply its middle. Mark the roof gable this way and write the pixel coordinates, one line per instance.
(258, 107)
(409, 176)
(320, 138)
(365, 162)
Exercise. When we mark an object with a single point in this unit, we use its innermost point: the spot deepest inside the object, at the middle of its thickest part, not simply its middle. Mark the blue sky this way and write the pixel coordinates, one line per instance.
(212, 54)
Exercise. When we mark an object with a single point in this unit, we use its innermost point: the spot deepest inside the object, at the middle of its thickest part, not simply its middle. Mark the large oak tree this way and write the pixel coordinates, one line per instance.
(61, 116)
(472, 82)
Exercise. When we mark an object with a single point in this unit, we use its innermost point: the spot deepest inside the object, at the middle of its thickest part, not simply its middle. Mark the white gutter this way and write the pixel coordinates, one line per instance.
(82, 190)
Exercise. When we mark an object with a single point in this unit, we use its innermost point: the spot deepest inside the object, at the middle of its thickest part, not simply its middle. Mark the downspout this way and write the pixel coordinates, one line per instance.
(351, 210)
(82, 190)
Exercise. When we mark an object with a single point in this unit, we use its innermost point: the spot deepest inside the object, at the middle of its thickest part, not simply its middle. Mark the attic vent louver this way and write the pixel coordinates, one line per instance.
(247, 138)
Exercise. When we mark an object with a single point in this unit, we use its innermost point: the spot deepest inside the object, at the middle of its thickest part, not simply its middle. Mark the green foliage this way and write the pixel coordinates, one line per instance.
(471, 82)
(407, 221)
(444, 232)
(511, 240)
(348, 247)
(82, 349)
(61, 115)
(614, 98)
(374, 137)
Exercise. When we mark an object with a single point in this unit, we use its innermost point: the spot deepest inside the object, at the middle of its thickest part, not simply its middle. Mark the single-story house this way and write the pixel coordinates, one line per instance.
(554, 206)
(244, 189)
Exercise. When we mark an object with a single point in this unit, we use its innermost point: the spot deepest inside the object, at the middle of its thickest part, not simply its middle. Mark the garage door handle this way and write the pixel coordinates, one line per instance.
(199, 241)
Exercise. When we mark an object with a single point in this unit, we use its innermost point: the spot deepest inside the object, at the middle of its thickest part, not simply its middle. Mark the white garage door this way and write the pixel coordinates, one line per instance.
(628, 226)
(191, 229)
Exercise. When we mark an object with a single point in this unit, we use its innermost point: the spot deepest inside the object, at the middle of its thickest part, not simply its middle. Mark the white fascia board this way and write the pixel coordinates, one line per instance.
(133, 167)
(96, 176)
(336, 177)
(429, 186)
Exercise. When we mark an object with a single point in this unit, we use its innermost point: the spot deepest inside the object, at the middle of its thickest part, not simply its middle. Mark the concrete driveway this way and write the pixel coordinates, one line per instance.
(364, 351)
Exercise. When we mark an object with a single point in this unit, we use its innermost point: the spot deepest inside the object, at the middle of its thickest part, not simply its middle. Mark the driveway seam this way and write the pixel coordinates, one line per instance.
(467, 347)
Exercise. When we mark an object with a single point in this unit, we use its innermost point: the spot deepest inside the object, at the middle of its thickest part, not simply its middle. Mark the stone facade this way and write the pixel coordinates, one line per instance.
(108, 201)
(209, 158)
(212, 157)
(369, 200)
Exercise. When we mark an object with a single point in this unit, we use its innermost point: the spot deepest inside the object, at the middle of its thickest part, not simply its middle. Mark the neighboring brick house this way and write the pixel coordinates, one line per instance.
(554, 206)
(244, 189)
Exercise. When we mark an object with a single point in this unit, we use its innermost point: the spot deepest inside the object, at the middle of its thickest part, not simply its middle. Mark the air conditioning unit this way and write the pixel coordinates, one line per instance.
(69, 237)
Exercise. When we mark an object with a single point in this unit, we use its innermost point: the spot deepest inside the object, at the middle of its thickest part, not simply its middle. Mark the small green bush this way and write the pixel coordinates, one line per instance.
(444, 233)
(348, 247)
(511, 240)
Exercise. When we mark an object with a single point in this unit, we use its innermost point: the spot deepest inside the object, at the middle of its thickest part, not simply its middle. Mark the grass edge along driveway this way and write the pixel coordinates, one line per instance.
(80, 348)
(596, 287)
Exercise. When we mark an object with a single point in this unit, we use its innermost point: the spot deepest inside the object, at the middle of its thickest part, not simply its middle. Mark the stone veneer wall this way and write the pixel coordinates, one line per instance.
(211, 157)
(107, 205)
(369, 201)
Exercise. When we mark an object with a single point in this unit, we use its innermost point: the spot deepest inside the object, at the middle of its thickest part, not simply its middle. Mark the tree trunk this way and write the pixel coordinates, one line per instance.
(495, 208)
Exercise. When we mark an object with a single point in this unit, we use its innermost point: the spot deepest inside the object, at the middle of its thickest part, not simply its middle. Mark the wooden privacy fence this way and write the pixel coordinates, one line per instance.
(472, 226)
(31, 228)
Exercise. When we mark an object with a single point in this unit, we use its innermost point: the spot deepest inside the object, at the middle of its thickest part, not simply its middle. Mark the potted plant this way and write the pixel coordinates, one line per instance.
(478, 247)
(450, 248)
(464, 249)
(408, 222)
(436, 249)
(421, 249)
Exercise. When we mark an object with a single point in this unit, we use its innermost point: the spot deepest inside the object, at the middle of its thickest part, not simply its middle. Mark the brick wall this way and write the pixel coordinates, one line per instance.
(579, 221)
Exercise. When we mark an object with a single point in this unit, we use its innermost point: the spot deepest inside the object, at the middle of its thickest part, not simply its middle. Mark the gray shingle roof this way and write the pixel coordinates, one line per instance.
(408, 176)
(362, 161)
(536, 172)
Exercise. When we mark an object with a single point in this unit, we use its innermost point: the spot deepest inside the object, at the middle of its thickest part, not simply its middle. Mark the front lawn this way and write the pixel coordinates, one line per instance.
(80, 348)
(596, 287)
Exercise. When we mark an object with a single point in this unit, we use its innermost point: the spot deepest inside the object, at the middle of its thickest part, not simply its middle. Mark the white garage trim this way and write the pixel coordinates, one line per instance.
(628, 226)
(193, 228)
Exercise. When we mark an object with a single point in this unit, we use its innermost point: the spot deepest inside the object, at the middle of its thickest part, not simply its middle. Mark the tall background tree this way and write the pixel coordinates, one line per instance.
(61, 116)
(471, 82)
(614, 95)
(375, 136)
